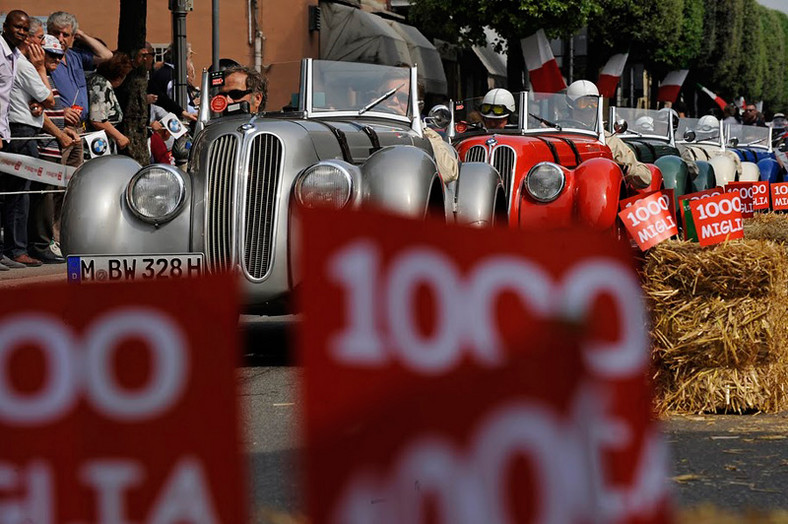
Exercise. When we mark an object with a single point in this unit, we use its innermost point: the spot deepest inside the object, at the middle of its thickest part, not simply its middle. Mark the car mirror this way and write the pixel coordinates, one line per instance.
(783, 147)
(620, 126)
(733, 142)
(439, 116)
(689, 136)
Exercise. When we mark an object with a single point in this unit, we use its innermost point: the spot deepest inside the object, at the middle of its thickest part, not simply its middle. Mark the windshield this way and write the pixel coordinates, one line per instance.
(707, 132)
(642, 122)
(352, 86)
(738, 135)
(546, 110)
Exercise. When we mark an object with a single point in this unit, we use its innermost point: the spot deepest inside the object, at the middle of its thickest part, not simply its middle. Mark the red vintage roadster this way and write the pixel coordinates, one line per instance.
(555, 165)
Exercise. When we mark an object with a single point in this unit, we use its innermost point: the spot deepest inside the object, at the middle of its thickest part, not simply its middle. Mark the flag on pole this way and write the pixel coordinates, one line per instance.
(669, 88)
(720, 102)
(611, 74)
(542, 67)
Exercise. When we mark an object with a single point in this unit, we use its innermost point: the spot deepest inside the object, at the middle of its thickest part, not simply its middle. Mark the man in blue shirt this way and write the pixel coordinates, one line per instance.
(69, 77)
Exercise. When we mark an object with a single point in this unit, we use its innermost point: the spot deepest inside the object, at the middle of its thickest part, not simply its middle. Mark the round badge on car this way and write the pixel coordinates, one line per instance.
(218, 103)
(99, 146)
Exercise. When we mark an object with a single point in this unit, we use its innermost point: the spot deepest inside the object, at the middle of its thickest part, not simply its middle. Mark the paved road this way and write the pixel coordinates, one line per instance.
(734, 462)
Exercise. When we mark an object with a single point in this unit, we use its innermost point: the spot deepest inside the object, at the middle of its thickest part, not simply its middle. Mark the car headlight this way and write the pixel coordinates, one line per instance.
(156, 192)
(324, 185)
(545, 181)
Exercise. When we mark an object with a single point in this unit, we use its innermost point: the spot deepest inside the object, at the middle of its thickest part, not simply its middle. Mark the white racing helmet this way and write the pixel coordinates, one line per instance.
(707, 124)
(664, 115)
(580, 88)
(497, 103)
(644, 124)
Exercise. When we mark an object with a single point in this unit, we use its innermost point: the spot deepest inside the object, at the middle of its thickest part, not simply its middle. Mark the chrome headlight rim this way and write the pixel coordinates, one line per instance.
(529, 179)
(332, 164)
(179, 177)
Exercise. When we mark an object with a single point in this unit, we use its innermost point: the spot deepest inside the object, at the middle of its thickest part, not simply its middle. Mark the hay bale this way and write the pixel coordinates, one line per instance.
(719, 325)
(767, 226)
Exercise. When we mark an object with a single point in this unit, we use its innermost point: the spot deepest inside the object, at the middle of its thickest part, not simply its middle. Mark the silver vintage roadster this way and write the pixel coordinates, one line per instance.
(350, 140)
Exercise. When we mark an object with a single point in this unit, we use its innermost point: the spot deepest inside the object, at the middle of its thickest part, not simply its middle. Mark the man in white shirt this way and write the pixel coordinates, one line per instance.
(14, 34)
(30, 94)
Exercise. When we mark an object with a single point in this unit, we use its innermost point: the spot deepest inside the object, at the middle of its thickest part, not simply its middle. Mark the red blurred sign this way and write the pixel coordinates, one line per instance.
(456, 375)
(718, 218)
(650, 220)
(760, 195)
(745, 190)
(780, 196)
(118, 403)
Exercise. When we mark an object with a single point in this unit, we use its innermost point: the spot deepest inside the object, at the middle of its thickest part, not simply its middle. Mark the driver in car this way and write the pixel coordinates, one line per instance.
(496, 107)
(583, 98)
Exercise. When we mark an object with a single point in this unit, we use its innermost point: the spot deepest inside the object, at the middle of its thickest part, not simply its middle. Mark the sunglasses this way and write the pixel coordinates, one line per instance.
(237, 94)
(495, 109)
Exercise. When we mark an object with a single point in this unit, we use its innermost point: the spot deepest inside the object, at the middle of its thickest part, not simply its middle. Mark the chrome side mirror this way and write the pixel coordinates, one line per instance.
(689, 136)
(733, 142)
(439, 116)
(620, 126)
(783, 147)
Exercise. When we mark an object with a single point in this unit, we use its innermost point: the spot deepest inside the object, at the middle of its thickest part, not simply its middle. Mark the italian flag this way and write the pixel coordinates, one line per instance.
(611, 74)
(720, 102)
(669, 87)
(542, 67)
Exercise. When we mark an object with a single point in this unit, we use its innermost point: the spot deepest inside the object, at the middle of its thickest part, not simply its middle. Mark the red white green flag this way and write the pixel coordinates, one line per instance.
(720, 102)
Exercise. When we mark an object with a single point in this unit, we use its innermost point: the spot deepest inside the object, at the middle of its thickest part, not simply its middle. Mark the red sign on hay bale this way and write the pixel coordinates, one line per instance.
(650, 219)
(707, 193)
(118, 403)
(746, 193)
(454, 375)
(780, 196)
(760, 195)
(718, 219)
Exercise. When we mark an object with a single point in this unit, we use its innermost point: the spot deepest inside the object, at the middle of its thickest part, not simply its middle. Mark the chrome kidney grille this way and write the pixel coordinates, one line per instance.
(476, 154)
(504, 160)
(265, 164)
(219, 203)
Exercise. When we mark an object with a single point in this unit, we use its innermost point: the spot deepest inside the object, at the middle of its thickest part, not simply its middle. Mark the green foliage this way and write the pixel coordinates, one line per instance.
(463, 22)
(734, 47)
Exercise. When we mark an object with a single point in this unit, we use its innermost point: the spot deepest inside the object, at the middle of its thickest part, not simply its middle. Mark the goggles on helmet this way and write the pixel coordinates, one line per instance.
(496, 109)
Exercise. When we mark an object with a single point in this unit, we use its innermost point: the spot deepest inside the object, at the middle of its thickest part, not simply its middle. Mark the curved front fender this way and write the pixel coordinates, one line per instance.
(477, 188)
(399, 179)
(96, 219)
(770, 169)
(590, 197)
(706, 178)
(724, 169)
(749, 172)
(675, 175)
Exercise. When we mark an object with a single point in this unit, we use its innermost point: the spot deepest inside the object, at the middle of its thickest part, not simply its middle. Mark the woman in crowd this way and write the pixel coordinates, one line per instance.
(105, 112)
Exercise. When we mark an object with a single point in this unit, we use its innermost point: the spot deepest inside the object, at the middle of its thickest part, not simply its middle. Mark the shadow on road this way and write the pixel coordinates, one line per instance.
(267, 341)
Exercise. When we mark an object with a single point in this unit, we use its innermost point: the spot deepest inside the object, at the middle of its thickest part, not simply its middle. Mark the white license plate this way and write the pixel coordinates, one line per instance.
(110, 268)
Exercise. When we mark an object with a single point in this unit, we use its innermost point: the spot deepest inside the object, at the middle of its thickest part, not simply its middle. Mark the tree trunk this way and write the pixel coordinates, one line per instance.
(132, 93)
(515, 64)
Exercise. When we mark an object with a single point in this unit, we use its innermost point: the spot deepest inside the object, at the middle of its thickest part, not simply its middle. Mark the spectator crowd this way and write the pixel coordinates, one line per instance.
(58, 83)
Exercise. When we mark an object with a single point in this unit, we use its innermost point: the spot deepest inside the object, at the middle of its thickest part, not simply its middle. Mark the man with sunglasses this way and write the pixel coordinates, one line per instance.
(244, 84)
(496, 107)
